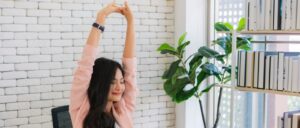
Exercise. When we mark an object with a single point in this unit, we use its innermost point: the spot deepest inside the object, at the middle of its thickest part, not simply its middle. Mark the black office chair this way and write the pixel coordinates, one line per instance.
(61, 117)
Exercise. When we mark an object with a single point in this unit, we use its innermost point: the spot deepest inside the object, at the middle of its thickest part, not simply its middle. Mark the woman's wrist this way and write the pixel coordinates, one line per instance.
(130, 21)
(101, 19)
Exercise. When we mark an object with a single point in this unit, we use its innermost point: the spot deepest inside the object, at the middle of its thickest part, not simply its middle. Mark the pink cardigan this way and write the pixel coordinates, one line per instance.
(79, 104)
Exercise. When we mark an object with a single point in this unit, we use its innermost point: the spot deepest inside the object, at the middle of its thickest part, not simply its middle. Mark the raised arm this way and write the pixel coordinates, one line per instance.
(83, 72)
(129, 60)
(129, 50)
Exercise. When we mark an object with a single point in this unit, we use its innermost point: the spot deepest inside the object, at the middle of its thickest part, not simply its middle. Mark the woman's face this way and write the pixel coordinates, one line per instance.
(117, 87)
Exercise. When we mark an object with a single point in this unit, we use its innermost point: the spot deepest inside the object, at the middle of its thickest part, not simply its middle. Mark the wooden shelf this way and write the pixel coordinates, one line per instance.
(278, 32)
(247, 89)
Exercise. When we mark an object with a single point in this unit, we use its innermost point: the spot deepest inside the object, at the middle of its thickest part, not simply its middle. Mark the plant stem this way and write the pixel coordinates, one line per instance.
(220, 96)
(202, 113)
(218, 108)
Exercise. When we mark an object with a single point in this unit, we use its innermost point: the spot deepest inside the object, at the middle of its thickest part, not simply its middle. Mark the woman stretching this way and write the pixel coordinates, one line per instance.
(103, 92)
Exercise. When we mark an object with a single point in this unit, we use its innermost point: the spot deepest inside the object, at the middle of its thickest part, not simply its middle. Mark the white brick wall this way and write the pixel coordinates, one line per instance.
(42, 40)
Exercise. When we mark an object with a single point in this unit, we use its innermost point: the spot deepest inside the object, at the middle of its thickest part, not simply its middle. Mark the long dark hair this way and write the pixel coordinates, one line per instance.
(104, 71)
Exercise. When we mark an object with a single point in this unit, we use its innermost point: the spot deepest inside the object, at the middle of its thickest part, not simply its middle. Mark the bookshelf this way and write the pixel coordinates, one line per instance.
(277, 32)
(234, 86)
(247, 89)
(234, 60)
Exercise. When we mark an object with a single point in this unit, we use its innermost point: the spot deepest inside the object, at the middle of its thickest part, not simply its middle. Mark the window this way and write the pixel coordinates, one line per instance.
(252, 109)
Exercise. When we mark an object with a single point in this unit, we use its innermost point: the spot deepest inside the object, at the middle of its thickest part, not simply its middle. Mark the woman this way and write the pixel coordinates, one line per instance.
(103, 92)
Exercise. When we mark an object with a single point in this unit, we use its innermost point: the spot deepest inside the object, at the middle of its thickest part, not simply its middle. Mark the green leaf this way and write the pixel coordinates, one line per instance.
(201, 76)
(228, 49)
(228, 25)
(221, 41)
(206, 90)
(195, 58)
(166, 48)
(180, 71)
(219, 26)
(183, 95)
(221, 58)
(243, 43)
(181, 48)
(193, 70)
(246, 47)
(181, 38)
(210, 69)
(242, 24)
(173, 89)
(207, 52)
(172, 69)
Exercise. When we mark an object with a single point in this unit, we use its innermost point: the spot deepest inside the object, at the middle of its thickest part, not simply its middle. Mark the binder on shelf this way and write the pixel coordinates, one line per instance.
(295, 75)
(290, 76)
(261, 67)
(267, 72)
(287, 118)
(249, 69)
(255, 74)
(272, 15)
(242, 69)
(294, 14)
(288, 15)
(298, 16)
(296, 120)
(280, 71)
(285, 73)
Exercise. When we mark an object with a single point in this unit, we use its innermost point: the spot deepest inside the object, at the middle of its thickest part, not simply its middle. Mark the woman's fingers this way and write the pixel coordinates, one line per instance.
(126, 4)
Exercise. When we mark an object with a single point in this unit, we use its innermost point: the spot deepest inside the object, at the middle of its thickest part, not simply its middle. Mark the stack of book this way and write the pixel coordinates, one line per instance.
(290, 119)
(269, 70)
(272, 15)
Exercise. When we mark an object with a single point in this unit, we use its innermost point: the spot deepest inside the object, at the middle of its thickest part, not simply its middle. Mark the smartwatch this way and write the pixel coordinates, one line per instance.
(100, 27)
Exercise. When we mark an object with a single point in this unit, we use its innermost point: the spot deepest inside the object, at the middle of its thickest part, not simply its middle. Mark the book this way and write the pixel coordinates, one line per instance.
(293, 14)
(267, 14)
(275, 14)
(288, 15)
(272, 14)
(255, 76)
(298, 75)
(242, 68)
(295, 75)
(280, 71)
(290, 76)
(249, 69)
(239, 69)
(261, 69)
(283, 14)
(286, 73)
(298, 16)
(287, 118)
(267, 72)
(247, 12)
(272, 72)
(296, 120)
(275, 79)
(253, 15)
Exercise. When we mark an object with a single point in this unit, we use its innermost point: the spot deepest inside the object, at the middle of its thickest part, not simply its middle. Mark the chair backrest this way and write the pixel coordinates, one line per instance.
(61, 117)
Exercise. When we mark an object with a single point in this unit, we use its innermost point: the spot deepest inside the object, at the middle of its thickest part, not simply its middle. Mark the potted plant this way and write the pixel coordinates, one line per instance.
(184, 76)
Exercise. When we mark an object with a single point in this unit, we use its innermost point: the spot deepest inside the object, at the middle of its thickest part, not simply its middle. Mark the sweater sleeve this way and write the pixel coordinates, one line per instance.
(82, 77)
(131, 89)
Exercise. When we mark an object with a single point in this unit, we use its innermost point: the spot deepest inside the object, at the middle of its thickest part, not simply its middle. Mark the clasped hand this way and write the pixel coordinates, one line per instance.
(113, 8)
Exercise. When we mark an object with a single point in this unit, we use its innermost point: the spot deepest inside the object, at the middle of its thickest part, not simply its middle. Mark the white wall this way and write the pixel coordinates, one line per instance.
(41, 41)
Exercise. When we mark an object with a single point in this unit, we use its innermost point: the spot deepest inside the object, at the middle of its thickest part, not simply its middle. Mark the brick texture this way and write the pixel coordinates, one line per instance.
(41, 42)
